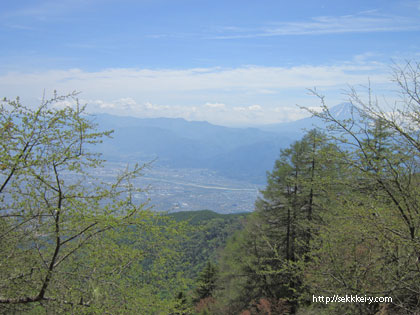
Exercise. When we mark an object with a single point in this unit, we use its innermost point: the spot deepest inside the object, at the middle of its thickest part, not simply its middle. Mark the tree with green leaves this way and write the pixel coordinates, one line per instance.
(370, 244)
(205, 287)
(206, 283)
(71, 240)
(266, 261)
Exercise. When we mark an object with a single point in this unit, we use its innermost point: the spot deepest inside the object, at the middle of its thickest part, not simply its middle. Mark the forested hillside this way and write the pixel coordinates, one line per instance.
(336, 230)
(207, 236)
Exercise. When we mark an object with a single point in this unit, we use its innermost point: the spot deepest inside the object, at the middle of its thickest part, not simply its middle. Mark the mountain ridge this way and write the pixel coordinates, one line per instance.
(239, 153)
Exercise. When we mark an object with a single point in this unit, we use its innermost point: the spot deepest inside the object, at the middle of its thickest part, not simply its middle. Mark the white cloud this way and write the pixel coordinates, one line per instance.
(363, 22)
(215, 105)
(161, 81)
(104, 105)
(254, 107)
(241, 92)
(64, 103)
(290, 113)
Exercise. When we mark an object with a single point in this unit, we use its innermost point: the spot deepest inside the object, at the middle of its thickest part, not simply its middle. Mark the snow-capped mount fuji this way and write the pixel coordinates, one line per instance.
(345, 111)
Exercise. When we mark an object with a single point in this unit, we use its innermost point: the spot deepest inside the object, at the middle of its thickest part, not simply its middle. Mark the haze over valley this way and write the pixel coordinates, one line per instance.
(210, 157)
(198, 165)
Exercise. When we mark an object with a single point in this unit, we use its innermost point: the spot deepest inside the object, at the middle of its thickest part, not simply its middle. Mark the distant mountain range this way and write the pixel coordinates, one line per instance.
(239, 153)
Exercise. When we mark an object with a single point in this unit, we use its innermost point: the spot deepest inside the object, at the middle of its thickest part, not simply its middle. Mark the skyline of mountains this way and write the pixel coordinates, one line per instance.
(237, 153)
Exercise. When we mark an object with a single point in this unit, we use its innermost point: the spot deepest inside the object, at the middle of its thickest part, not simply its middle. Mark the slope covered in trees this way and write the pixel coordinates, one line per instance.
(71, 243)
(340, 216)
(207, 233)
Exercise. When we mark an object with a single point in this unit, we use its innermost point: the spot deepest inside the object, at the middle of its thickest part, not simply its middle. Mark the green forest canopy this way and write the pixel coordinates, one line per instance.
(339, 216)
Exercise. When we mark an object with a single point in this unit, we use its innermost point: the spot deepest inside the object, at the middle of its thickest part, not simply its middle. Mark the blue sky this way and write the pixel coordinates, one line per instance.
(228, 62)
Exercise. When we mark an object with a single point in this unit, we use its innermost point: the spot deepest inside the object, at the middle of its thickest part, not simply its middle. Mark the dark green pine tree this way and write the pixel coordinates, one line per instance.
(274, 246)
(206, 283)
(291, 202)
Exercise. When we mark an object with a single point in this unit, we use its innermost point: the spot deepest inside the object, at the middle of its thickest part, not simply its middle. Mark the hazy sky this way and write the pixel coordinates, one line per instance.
(228, 62)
